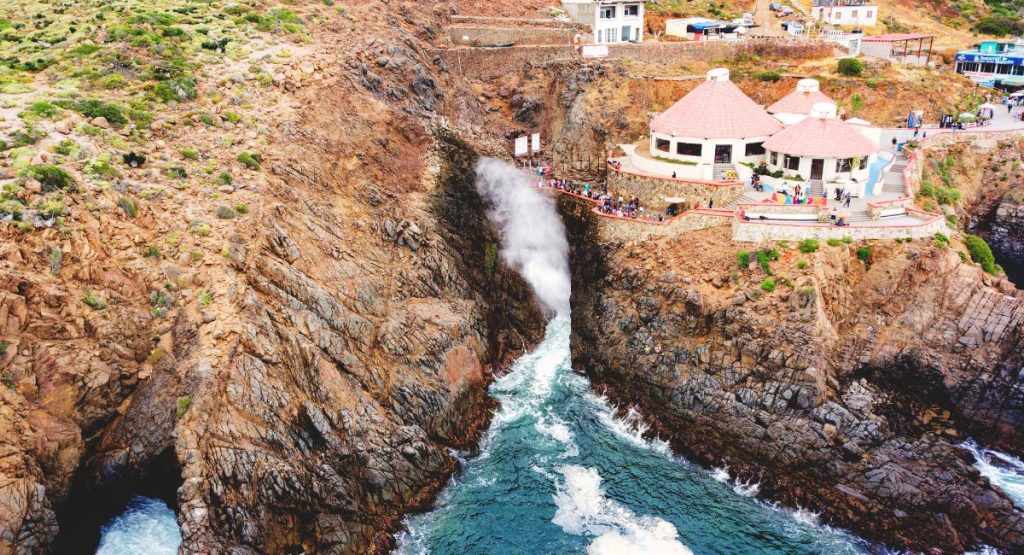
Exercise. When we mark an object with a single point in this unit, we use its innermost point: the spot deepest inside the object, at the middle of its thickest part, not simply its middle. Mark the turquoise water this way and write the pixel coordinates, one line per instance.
(146, 527)
(558, 473)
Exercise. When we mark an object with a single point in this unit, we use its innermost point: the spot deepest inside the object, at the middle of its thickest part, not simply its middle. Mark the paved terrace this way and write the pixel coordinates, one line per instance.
(887, 214)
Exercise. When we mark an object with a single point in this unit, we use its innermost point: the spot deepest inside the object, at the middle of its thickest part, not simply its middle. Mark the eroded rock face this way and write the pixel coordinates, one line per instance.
(846, 393)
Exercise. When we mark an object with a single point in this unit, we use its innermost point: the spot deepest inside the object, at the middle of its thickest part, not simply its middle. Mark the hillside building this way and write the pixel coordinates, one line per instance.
(854, 13)
(993, 63)
(797, 105)
(612, 21)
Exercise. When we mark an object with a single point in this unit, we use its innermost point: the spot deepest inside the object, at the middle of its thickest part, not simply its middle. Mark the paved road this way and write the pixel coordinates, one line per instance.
(767, 24)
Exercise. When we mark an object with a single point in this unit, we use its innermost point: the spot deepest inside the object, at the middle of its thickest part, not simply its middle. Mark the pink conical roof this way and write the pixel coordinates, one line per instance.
(817, 137)
(798, 102)
(716, 109)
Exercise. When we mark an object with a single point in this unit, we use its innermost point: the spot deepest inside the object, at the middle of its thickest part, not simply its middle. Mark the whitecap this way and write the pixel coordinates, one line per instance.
(746, 489)
(584, 510)
(1004, 471)
(720, 474)
(147, 527)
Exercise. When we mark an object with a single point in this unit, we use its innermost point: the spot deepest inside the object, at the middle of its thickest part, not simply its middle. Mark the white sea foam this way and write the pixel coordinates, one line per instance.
(746, 489)
(147, 527)
(532, 235)
(1005, 471)
(720, 474)
(559, 432)
(630, 427)
(584, 510)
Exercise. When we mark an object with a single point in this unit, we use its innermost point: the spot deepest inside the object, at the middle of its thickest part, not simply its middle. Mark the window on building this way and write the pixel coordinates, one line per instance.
(632, 10)
(854, 14)
(688, 149)
(867, 14)
(774, 158)
(791, 162)
(663, 145)
(844, 165)
(754, 149)
(608, 12)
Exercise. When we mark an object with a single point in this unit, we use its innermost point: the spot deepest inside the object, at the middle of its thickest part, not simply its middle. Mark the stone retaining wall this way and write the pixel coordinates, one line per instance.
(652, 191)
(490, 63)
(615, 229)
(756, 232)
(517, 21)
(478, 35)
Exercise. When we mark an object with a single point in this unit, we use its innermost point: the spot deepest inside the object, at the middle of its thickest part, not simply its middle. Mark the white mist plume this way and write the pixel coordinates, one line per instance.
(532, 237)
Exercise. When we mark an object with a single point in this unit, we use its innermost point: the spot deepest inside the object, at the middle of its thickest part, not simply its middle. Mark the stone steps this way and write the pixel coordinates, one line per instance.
(720, 169)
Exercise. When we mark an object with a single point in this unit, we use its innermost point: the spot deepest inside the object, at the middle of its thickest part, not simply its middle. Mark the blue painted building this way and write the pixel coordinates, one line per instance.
(994, 64)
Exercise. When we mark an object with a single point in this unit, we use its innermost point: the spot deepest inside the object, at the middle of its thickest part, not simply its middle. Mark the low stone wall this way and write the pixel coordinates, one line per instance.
(478, 35)
(652, 190)
(709, 51)
(490, 63)
(755, 232)
(616, 229)
(517, 21)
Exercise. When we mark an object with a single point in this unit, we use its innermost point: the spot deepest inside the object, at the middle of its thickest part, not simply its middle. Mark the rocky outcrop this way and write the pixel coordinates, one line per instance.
(1004, 234)
(845, 391)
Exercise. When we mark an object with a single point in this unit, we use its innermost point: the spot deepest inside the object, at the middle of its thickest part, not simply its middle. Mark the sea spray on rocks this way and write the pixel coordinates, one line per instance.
(532, 236)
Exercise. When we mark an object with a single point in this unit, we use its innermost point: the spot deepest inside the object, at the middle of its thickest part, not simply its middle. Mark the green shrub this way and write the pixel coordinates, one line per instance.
(224, 178)
(177, 172)
(190, 153)
(67, 147)
(801, 264)
(83, 50)
(205, 298)
(946, 195)
(242, 208)
(250, 160)
(42, 109)
(981, 253)
(834, 242)
(941, 240)
(232, 117)
(847, 240)
(181, 405)
(807, 246)
(770, 76)
(92, 108)
(52, 178)
(743, 259)
(3, 349)
(94, 302)
(181, 88)
(225, 212)
(765, 258)
(927, 190)
(100, 167)
(951, 221)
(130, 207)
(153, 252)
(768, 285)
(850, 66)
(865, 255)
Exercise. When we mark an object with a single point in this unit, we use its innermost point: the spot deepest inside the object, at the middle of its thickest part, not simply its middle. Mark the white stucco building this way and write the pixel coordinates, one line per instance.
(796, 106)
(611, 20)
(714, 124)
(853, 13)
(823, 147)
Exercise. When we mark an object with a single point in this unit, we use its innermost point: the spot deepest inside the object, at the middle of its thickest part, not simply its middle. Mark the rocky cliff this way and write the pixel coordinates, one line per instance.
(291, 368)
(844, 389)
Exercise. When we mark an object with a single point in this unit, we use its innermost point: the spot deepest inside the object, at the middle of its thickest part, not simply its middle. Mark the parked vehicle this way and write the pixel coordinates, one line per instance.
(784, 11)
(743, 22)
(774, 6)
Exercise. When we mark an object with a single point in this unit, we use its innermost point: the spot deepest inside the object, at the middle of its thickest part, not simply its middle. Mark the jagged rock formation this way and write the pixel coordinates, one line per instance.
(295, 380)
(845, 393)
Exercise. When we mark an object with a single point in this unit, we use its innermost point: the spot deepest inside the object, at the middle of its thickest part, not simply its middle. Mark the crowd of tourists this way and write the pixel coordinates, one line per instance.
(608, 202)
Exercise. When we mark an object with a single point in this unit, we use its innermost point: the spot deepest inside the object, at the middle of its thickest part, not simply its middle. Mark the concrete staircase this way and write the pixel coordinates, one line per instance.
(817, 187)
(720, 169)
(892, 182)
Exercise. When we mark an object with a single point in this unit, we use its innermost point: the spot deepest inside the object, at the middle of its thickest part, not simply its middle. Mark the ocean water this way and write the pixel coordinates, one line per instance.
(1006, 472)
(559, 473)
(146, 527)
